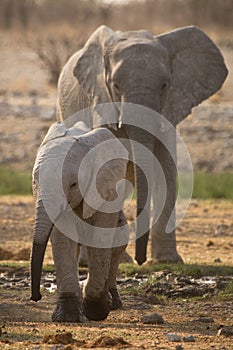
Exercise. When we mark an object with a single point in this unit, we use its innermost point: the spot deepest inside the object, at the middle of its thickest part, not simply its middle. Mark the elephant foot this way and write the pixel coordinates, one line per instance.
(68, 310)
(174, 258)
(163, 247)
(116, 302)
(96, 310)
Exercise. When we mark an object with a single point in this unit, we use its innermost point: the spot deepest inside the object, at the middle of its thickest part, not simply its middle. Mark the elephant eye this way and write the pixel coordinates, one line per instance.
(116, 86)
(164, 87)
(73, 185)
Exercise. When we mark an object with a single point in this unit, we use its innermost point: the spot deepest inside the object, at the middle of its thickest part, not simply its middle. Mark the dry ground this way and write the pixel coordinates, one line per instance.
(204, 235)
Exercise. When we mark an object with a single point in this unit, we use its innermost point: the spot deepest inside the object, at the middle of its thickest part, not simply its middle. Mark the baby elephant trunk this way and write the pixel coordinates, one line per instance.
(42, 230)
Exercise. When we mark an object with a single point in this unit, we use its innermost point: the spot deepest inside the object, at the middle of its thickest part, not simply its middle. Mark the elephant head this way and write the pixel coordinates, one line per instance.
(64, 190)
(169, 73)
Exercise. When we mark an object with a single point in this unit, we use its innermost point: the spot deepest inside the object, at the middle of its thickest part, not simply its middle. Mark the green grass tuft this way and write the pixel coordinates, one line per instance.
(15, 264)
(14, 182)
(207, 185)
(192, 270)
(226, 294)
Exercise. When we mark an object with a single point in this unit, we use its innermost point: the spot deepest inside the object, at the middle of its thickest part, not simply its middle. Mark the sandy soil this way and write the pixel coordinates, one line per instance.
(204, 236)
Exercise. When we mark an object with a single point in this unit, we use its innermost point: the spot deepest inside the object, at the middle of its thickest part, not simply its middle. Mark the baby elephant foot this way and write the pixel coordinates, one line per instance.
(96, 310)
(67, 310)
(116, 302)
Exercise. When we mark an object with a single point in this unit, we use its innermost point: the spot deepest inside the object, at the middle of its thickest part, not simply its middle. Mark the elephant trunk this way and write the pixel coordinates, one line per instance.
(42, 230)
(143, 216)
(142, 150)
(143, 181)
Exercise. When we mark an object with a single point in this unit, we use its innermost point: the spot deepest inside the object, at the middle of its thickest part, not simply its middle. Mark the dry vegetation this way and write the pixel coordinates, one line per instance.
(54, 30)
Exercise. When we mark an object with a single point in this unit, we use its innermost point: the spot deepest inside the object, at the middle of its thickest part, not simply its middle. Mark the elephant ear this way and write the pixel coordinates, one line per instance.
(90, 73)
(108, 159)
(197, 70)
(89, 69)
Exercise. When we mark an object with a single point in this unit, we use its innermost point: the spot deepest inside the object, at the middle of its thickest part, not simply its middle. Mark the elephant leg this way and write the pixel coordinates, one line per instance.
(116, 302)
(163, 236)
(96, 299)
(68, 307)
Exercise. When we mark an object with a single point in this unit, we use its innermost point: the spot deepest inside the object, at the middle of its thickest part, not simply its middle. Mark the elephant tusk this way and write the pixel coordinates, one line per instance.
(120, 121)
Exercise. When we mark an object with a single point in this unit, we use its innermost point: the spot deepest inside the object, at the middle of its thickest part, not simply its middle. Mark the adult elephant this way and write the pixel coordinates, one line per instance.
(170, 74)
(69, 210)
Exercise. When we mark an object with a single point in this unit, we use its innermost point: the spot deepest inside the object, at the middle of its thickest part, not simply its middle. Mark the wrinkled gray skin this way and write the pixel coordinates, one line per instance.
(169, 73)
(100, 293)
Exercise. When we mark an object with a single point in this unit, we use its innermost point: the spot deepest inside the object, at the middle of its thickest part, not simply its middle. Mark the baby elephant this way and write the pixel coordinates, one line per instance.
(79, 195)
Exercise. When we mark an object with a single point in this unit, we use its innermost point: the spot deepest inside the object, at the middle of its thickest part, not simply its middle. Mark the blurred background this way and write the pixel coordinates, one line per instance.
(38, 36)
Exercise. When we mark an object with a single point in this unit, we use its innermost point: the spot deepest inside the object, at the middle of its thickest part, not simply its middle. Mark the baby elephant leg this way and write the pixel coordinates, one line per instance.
(68, 307)
(116, 302)
(96, 300)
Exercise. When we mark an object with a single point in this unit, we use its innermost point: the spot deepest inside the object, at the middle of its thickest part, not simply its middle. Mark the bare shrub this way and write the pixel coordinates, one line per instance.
(54, 48)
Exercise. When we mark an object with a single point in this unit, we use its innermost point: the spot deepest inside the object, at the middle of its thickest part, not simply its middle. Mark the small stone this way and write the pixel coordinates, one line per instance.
(227, 331)
(210, 244)
(188, 339)
(152, 299)
(206, 319)
(152, 319)
(221, 229)
(179, 347)
(173, 337)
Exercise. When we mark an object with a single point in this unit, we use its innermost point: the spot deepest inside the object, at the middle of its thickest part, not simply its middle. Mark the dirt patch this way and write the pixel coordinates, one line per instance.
(5, 254)
(182, 318)
(23, 254)
(189, 306)
(109, 342)
(59, 338)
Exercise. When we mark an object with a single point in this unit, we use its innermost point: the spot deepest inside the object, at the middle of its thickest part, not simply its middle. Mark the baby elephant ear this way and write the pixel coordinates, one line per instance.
(107, 166)
(56, 130)
(197, 70)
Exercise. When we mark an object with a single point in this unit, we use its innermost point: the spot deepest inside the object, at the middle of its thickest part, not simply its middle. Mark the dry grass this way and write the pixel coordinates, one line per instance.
(55, 29)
